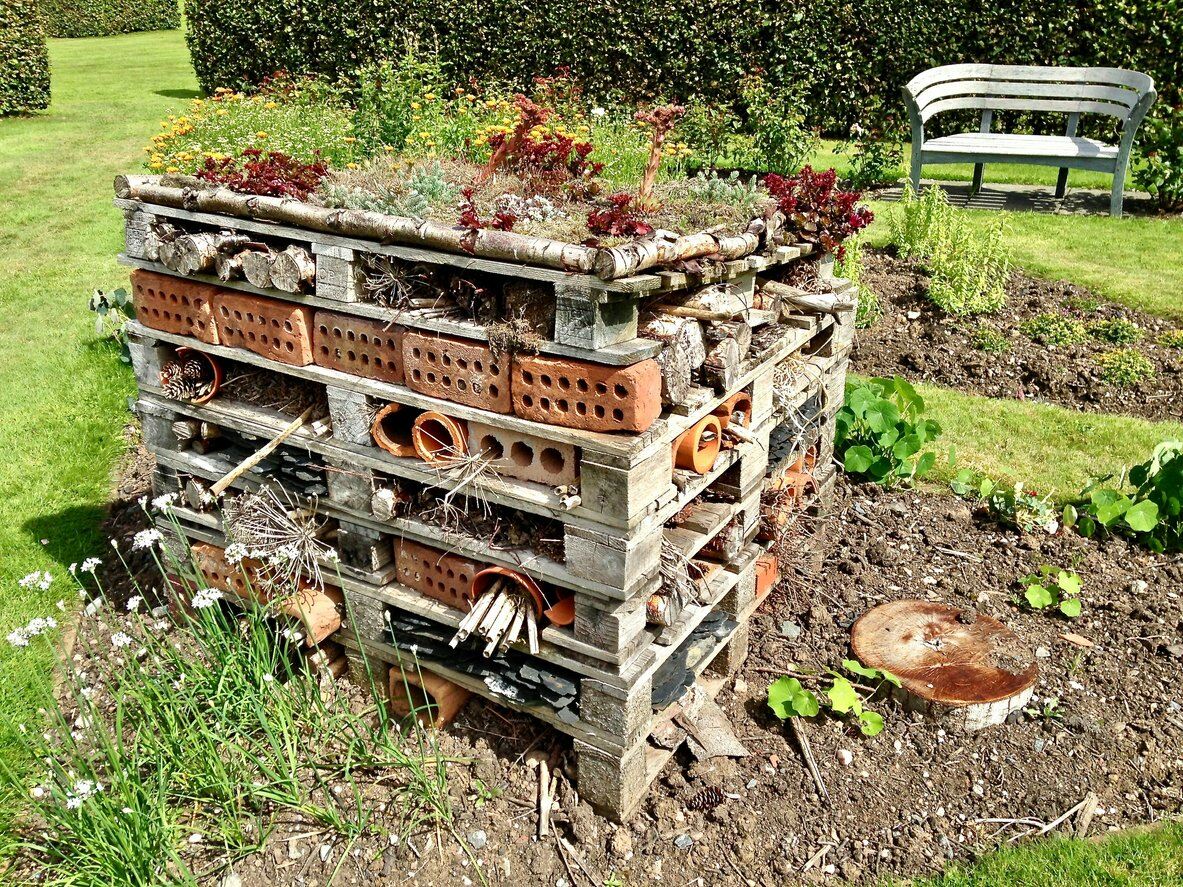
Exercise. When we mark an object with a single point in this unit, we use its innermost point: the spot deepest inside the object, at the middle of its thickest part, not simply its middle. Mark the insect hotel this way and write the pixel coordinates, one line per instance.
(561, 477)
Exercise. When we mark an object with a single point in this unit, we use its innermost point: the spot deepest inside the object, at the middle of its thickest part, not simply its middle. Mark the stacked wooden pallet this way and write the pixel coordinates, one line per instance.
(595, 497)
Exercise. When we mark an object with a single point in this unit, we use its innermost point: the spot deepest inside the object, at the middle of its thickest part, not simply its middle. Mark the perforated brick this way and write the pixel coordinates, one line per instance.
(524, 456)
(437, 574)
(269, 327)
(359, 346)
(173, 305)
(457, 370)
(587, 395)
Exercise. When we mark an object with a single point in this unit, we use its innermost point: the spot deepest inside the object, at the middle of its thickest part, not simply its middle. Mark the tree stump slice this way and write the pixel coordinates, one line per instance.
(968, 669)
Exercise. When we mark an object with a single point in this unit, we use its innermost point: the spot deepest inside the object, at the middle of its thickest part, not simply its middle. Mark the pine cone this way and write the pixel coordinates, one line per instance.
(707, 799)
(189, 380)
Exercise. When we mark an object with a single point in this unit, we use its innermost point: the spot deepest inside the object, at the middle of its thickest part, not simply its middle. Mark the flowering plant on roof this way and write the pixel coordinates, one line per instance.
(816, 210)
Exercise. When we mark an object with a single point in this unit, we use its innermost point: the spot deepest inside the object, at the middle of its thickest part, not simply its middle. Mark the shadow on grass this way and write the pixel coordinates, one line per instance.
(71, 535)
(179, 93)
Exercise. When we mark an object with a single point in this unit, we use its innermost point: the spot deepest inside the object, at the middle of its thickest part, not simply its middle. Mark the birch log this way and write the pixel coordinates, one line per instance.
(666, 248)
(293, 270)
(795, 299)
(256, 266)
(721, 368)
(198, 253)
(739, 330)
(364, 224)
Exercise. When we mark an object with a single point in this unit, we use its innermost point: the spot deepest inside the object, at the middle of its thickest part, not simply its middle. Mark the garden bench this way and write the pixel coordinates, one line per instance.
(1114, 92)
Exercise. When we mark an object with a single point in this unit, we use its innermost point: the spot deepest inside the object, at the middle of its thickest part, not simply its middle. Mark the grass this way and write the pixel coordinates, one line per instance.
(1151, 857)
(1050, 448)
(62, 395)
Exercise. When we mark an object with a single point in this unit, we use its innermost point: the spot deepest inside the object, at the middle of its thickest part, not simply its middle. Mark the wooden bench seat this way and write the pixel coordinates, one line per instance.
(1113, 92)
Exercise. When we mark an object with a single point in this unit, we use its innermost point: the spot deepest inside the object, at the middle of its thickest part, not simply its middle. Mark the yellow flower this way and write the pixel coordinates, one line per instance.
(425, 134)
(260, 135)
(271, 106)
(389, 149)
(173, 169)
(429, 96)
(222, 112)
(349, 140)
(351, 166)
(416, 106)
(416, 116)
(155, 164)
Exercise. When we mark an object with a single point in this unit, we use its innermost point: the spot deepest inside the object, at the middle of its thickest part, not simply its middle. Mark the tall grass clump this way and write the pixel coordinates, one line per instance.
(177, 732)
(850, 266)
(968, 266)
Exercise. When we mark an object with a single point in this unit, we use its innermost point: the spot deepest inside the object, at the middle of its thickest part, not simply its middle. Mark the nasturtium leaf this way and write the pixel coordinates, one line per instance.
(856, 667)
(1069, 582)
(858, 459)
(870, 723)
(1110, 512)
(1039, 597)
(925, 463)
(842, 696)
(889, 677)
(780, 696)
(1142, 517)
(1069, 515)
(805, 704)
(1070, 607)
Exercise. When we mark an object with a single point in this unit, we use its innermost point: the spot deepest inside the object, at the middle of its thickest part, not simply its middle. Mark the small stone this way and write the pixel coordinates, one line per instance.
(1139, 586)
(230, 879)
(913, 315)
(621, 843)
(1040, 745)
(325, 851)
(1042, 653)
(478, 839)
(683, 842)
(741, 686)
(790, 630)
(845, 756)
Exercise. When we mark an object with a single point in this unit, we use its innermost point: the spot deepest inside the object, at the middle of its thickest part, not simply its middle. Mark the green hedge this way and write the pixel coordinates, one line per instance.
(101, 18)
(24, 60)
(852, 56)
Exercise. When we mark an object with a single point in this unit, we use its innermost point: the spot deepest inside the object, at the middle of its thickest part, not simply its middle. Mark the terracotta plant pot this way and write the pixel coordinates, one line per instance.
(484, 580)
(698, 447)
(562, 613)
(439, 439)
(392, 429)
(435, 701)
(215, 366)
(738, 405)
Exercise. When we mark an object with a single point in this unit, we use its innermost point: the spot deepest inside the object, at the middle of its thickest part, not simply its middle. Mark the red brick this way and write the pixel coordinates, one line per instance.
(359, 346)
(270, 327)
(585, 395)
(174, 305)
(458, 370)
(437, 574)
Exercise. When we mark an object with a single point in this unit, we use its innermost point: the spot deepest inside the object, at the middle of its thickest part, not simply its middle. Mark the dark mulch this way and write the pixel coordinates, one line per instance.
(915, 339)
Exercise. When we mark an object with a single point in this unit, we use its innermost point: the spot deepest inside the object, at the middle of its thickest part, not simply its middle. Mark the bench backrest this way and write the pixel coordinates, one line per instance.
(1110, 91)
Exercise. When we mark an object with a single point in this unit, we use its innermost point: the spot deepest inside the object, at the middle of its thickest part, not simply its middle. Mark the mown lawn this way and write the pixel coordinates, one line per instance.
(62, 395)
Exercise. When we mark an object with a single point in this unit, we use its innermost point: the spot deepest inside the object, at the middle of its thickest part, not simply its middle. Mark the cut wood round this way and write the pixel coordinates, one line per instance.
(740, 330)
(968, 669)
(228, 267)
(682, 333)
(256, 265)
(293, 269)
(721, 368)
(677, 377)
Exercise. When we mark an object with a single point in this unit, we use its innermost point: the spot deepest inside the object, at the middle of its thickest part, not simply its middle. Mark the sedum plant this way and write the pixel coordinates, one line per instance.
(1054, 329)
(1125, 367)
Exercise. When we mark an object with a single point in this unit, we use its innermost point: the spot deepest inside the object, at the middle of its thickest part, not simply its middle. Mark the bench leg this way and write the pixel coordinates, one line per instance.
(1062, 183)
(979, 168)
(1117, 195)
(917, 164)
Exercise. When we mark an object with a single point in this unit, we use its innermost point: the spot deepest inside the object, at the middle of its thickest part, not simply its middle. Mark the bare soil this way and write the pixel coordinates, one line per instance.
(907, 802)
(916, 339)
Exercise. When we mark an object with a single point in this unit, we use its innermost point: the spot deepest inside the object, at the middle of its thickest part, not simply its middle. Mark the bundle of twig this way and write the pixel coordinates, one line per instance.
(393, 283)
(677, 587)
(284, 536)
(189, 378)
(500, 615)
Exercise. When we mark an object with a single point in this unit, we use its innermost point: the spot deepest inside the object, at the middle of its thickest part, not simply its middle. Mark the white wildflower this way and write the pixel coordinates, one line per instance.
(115, 543)
(91, 564)
(18, 638)
(164, 502)
(38, 578)
(73, 802)
(127, 811)
(61, 605)
(162, 625)
(268, 678)
(599, 112)
(331, 556)
(120, 639)
(133, 603)
(206, 597)
(73, 569)
(37, 792)
(235, 552)
(143, 502)
(146, 539)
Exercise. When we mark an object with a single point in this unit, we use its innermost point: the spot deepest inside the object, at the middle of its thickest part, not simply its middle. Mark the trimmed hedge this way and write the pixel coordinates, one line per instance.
(102, 18)
(852, 57)
(24, 58)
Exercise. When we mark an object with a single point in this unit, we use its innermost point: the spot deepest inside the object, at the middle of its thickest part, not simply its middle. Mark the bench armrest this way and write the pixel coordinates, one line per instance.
(914, 118)
(1129, 126)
